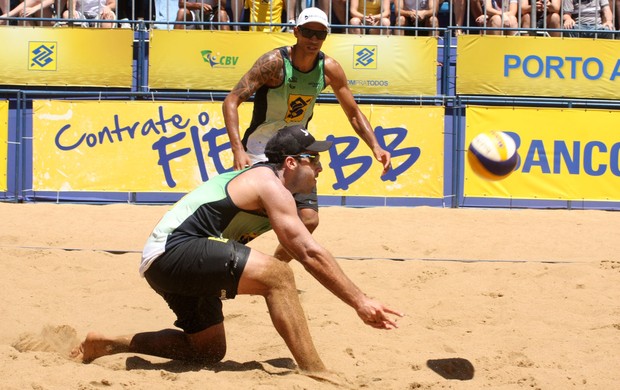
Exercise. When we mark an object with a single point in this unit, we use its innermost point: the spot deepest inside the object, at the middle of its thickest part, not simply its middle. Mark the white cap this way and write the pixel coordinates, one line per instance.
(312, 14)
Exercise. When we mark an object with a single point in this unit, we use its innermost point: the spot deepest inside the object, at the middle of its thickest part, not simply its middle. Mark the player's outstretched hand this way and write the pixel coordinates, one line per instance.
(375, 314)
(384, 157)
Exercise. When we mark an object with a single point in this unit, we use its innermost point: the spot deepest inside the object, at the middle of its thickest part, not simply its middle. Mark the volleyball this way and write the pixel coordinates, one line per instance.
(493, 155)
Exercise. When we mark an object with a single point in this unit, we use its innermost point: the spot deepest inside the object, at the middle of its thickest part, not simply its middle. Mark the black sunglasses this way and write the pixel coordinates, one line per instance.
(314, 158)
(309, 33)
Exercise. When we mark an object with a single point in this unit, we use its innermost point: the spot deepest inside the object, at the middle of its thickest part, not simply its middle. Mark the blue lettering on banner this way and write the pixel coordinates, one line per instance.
(340, 160)
(573, 158)
(165, 157)
(170, 130)
(534, 66)
(161, 125)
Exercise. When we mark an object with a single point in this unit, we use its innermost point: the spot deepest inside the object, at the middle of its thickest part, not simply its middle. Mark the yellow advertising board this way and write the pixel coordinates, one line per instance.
(4, 144)
(413, 135)
(206, 60)
(66, 57)
(538, 66)
(128, 146)
(386, 64)
(174, 146)
(216, 60)
(565, 154)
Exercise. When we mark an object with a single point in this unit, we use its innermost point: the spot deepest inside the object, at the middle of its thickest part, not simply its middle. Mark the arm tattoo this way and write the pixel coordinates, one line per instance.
(267, 70)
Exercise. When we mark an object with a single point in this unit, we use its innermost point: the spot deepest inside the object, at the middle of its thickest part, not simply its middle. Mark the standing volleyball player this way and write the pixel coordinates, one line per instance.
(287, 82)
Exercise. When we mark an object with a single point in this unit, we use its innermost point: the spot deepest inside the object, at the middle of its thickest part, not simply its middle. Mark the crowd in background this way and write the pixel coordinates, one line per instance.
(573, 18)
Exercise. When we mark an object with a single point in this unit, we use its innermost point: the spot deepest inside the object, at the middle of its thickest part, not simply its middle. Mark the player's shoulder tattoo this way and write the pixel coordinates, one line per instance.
(269, 67)
(267, 70)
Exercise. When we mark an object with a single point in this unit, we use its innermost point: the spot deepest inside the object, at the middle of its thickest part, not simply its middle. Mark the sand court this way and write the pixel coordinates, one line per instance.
(501, 299)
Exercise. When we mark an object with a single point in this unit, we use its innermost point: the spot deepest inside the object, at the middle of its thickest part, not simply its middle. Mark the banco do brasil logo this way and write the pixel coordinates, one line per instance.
(364, 57)
(218, 60)
(42, 56)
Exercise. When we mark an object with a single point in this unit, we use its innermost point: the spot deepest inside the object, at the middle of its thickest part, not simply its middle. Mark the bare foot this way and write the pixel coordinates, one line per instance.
(94, 346)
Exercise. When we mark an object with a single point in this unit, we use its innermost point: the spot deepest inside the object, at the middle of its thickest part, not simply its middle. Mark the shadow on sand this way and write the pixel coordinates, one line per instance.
(177, 366)
(452, 368)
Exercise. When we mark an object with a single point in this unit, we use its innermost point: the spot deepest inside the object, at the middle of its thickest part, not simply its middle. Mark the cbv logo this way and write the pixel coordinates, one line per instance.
(42, 56)
(218, 60)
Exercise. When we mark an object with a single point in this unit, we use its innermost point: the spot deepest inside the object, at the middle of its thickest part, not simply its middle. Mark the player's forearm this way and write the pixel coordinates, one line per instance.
(324, 268)
(231, 121)
(364, 130)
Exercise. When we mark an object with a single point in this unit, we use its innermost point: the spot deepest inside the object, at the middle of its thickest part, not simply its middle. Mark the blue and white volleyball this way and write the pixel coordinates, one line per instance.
(493, 155)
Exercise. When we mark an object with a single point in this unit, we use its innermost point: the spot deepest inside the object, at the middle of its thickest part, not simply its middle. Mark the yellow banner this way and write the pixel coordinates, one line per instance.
(206, 60)
(535, 66)
(565, 154)
(174, 146)
(4, 144)
(66, 57)
(216, 60)
(128, 146)
(414, 137)
(386, 65)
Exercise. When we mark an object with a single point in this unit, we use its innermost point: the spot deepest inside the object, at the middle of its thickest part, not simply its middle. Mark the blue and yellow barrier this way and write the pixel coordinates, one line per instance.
(537, 66)
(4, 143)
(174, 146)
(216, 60)
(61, 57)
(565, 154)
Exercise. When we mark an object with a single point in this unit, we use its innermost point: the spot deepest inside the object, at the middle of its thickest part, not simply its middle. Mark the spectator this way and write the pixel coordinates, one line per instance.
(593, 15)
(5, 7)
(547, 15)
(265, 11)
(294, 7)
(369, 13)
(416, 13)
(616, 12)
(456, 16)
(496, 14)
(92, 9)
(33, 9)
(236, 13)
(136, 10)
(291, 14)
(202, 11)
(165, 13)
(338, 9)
(461, 13)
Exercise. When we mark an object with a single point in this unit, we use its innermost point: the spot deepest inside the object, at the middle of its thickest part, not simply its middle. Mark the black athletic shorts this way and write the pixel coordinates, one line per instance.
(194, 276)
(307, 201)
